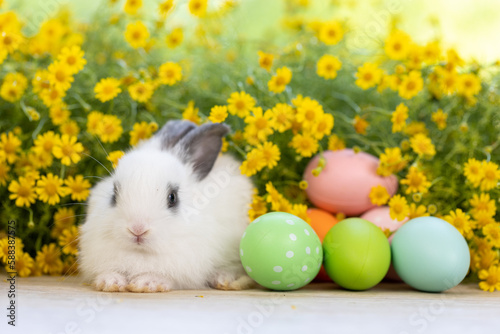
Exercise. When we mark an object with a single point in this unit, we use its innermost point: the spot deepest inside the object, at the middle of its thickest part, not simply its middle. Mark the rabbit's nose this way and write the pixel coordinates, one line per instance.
(138, 231)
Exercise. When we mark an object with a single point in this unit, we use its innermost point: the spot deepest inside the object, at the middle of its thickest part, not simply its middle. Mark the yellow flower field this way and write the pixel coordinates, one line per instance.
(75, 96)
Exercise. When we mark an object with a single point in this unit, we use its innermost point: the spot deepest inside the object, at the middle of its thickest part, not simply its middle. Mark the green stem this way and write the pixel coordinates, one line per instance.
(63, 171)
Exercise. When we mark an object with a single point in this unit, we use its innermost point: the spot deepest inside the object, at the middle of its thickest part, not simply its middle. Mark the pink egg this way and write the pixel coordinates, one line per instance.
(345, 182)
(380, 216)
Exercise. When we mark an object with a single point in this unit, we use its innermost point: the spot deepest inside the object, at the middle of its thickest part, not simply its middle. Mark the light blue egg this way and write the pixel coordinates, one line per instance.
(430, 254)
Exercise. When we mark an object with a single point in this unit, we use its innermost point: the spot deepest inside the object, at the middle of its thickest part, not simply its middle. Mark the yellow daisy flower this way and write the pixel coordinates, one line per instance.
(68, 150)
(270, 153)
(323, 127)
(218, 114)
(258, 207)
(300, 210)
(397, 45)
(253, 163)
(368, 75)
(260, 123)
(439, 118)
(137, 34)
(93, 120)
(265, 60)
(282, 115)
(278, 82)
(10, 145)
(460, 220)
(398, 208)
(399, 117)
(109, 128)
(13, 87)
(417, 211)
(191, 113)
(52, 97)
(411, 85)
(114, 157)
(23, 191)
(335, 143)
(482, 204)
(49, 259)
(72, 57)
(140, 131)
(141, 91)
(308, 112)
(132, 6)
(473, 171)
(69, 128)
(23, 263)
(327, 67)
(175, 38)
(107, 89)
(63, 219)
(240, 104)
(469, 84)
(50, 189)
(360, 125)
(304, 144)
(491, 175)
(416, 181)
(331, 33)
(432, 53)
(170, 73)
(68, 240)
(490, 279)
(40, 81)
(77, 187)
(60, 76)
(59, 114)
(198, 7)
(379, 195)
(4, 173)
(448, 81)
(165, 7)
(422, 145)
(492, 234)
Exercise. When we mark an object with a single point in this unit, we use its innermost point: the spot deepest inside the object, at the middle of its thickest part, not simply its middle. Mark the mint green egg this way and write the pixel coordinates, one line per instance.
(280, 251)
(357, 254)
(430, 254)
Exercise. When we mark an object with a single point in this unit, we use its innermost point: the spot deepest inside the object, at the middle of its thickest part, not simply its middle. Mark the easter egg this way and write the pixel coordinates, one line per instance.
(345, 182)
(430, 254)
(381, 217)
(321, 221)
(357, 254)
(280, 251)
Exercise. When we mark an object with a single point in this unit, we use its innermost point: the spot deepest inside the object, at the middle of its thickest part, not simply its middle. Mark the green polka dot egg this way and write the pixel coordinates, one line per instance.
(280, 251)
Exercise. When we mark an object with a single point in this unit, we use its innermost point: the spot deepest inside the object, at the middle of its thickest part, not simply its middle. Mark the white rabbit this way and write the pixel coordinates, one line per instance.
(170, 216)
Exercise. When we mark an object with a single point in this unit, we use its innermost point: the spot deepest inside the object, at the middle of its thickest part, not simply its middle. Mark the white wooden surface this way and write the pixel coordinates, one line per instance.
(57, 305)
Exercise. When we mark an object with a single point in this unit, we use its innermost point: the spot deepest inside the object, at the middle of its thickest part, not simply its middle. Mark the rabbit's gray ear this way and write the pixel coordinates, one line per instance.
(173, 131)
(201, 146)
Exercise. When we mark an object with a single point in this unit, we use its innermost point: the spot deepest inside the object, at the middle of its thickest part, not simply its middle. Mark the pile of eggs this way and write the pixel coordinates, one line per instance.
(282, 252)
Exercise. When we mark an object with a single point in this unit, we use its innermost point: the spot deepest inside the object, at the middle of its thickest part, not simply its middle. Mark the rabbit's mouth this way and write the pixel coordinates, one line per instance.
(138, 235)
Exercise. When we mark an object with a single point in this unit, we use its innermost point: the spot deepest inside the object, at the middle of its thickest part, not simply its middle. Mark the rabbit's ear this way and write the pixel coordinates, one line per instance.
(173, 131)
(201, 146)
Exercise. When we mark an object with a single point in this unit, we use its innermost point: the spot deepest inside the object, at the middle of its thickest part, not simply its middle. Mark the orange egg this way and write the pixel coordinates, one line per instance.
(321, 222)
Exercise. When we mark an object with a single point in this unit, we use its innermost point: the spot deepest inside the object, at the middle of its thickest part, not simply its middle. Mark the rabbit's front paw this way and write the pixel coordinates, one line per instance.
(149, 283)
(111, 282)
(229, 282)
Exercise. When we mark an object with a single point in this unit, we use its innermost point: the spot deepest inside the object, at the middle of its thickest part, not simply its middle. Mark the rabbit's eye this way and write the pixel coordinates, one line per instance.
(172, 199)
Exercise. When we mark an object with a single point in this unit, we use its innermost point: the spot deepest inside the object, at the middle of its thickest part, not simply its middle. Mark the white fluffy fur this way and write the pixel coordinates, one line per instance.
(192, 247)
